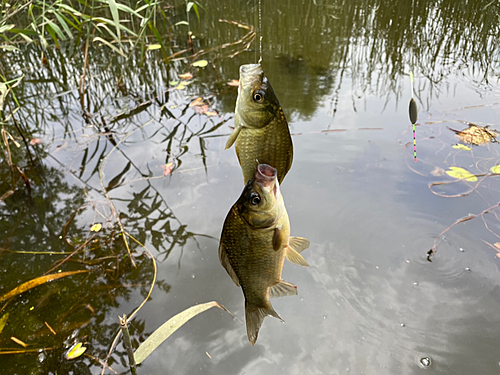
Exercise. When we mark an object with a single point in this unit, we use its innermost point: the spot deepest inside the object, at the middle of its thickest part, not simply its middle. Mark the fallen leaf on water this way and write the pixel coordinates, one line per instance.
(96, 227)
(461, 147)
(17, 341)
(75, 351)
(169, 327)
(461, 174)
(36, 282)
(201, 109)
(197, 101)
(497, 245)
(200, 63)
(495, 169)
(167, 168)
(7, 194)
(234, 82)
(211, 113)
(181, 86)
(50, 328)
(186, 76)
(154, 46)
(438, 171)
(476, 134)
(35, 141)
(173, 83)
(3, 321)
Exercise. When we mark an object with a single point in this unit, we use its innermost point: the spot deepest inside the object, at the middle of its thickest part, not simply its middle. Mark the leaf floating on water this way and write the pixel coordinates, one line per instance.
(181, 86)
(234, 82)
(197, 101)
(173, 83)
(461, 147)
(75, 351)
(36, 282)
(3, 321)
(211, 113)
(476, 134)
(495, 169)
(186, 76)
(438, 171)
(167, 168)
(35, 141)
(169, 327)
(461, 174)
(154, 46)
(200, 63)
(96, 227)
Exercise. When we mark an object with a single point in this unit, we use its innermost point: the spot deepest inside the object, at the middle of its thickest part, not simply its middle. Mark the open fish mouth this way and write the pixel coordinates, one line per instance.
(250, 72)
(267, 176)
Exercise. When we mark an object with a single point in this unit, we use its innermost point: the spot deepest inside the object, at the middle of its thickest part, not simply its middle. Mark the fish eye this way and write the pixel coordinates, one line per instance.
(255, 198)
(258, 96)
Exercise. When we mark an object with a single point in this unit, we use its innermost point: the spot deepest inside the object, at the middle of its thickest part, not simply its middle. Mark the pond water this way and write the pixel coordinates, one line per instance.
(371, 302)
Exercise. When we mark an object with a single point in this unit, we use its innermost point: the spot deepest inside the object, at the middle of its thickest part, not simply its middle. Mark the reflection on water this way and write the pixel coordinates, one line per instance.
(370, 303)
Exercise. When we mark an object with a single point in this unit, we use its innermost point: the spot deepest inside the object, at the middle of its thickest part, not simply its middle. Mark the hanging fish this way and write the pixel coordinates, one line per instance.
(261, 134)
(254, 242)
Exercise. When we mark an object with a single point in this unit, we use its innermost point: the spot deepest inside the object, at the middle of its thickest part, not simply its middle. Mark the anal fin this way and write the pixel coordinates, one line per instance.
(282, 289)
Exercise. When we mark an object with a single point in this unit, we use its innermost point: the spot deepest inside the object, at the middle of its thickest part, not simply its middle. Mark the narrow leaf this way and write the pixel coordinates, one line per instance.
(5, 28)
(172, 325)
(36, 282)
(3, 321)
(19, 342)
(181, 23)
(114, 13)
(195, 7)
(7, 47)
(461, 147)
(97, 38)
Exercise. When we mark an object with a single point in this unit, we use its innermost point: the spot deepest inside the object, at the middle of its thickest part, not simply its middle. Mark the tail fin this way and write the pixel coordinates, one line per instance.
(254, 317)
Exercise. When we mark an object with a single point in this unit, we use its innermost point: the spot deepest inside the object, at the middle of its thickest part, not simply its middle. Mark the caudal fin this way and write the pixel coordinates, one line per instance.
(254, 317)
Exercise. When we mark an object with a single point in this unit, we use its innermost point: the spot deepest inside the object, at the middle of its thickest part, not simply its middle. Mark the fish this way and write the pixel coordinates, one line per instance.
(254, 242)
(261, 134)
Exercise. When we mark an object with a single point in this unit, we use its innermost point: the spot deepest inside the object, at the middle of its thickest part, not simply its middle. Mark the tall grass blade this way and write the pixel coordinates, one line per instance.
(169, 327)
(99, 39)
(116, 17)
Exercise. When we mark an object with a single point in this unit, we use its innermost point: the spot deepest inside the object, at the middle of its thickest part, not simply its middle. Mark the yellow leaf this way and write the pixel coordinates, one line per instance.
(181, 86)
(17, 341)
(75, 351)
(3, 321)
(461, 174)
(186, 76)
(461, 147)
(96, 227)
(495, 169)
(36, 282)
(497, 245)
(154, 46)
(200, 63)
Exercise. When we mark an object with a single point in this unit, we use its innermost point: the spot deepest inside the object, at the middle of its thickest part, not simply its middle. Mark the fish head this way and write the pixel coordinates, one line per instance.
(257, 104)
(261, 203)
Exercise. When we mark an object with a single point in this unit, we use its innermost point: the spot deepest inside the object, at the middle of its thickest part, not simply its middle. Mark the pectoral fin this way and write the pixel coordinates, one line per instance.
(299, 244)
(278, 238)
(224, 260)
(236, 131)
(295, 257)
(282, 289)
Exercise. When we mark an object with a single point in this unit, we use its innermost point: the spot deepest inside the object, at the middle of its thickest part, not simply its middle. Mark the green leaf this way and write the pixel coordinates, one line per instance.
(7, 47)
(461, 174)
(64, 25)
(200, 63)
(195, 7)
(172, 325)
(109, 45)
(75, 351)
(96, 227)
(116, 17)
(5, 28)
(461, 147)
(495, 169)
(174, 83)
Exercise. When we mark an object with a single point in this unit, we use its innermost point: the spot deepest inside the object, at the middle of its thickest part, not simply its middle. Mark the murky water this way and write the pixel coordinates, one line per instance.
(370, 303)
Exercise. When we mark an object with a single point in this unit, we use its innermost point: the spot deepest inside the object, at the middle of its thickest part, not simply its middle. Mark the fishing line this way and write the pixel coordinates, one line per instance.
(260, 31)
